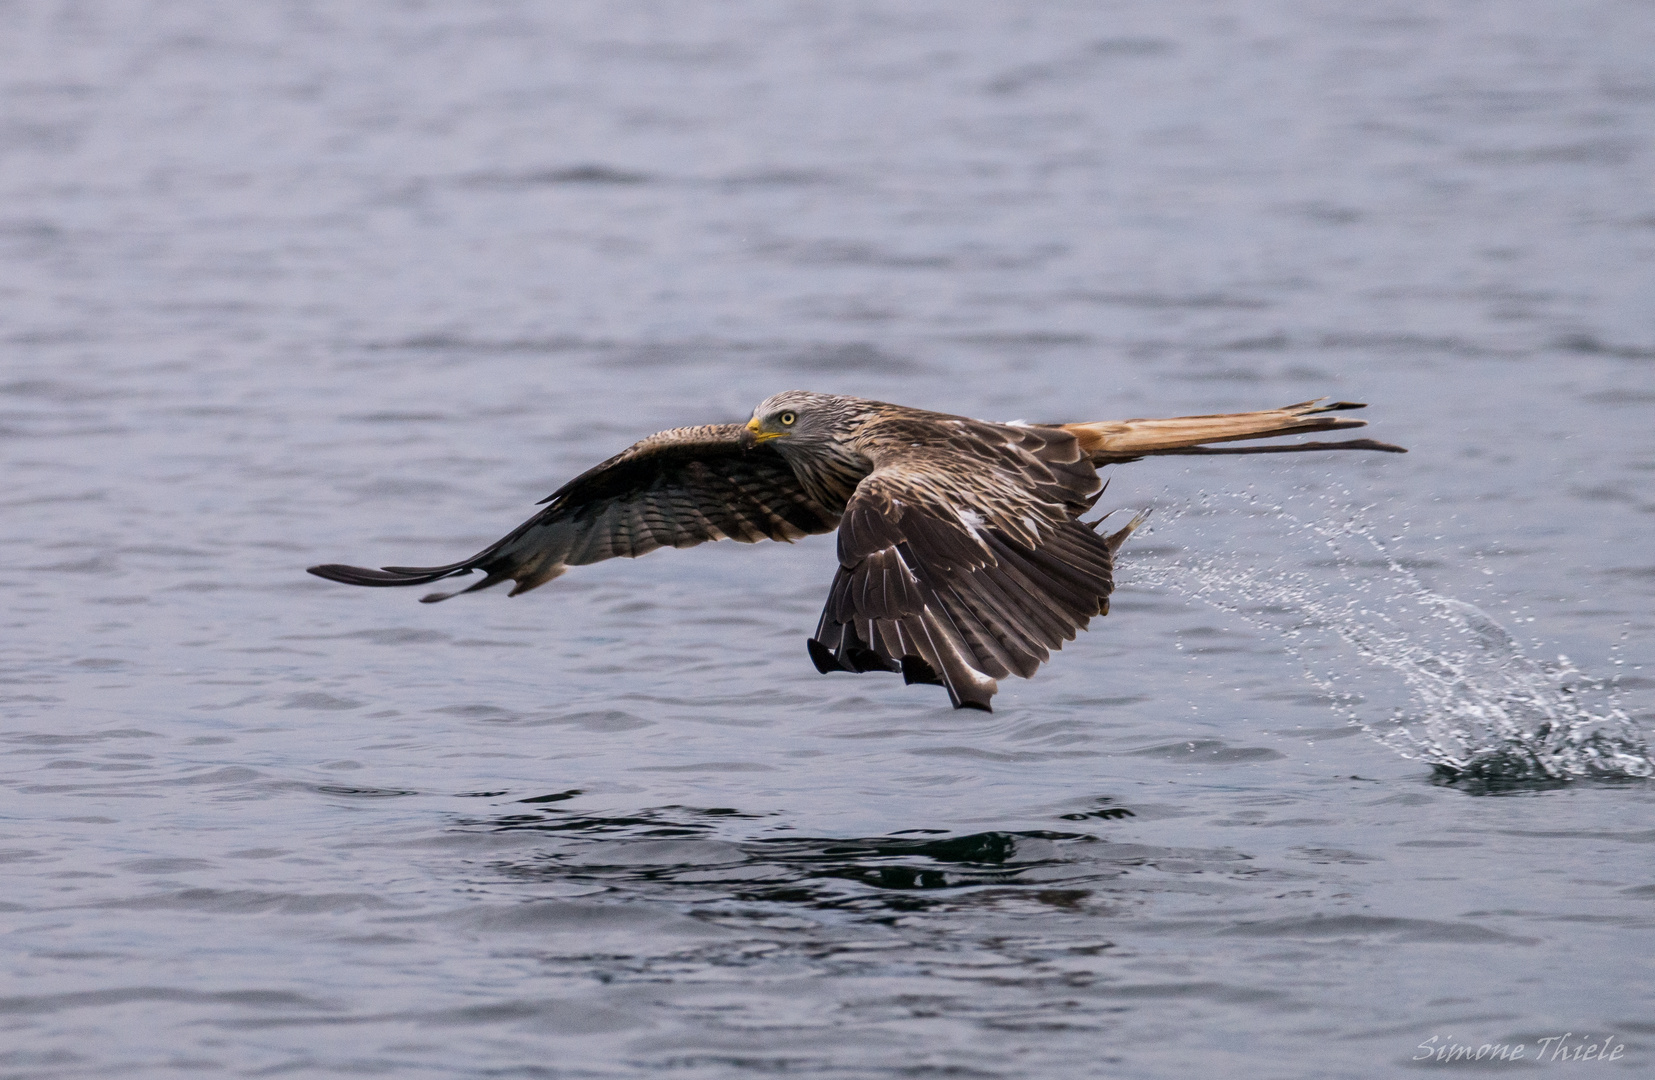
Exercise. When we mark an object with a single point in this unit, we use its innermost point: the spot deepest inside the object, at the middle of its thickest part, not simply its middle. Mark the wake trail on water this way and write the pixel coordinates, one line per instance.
(1432, 677)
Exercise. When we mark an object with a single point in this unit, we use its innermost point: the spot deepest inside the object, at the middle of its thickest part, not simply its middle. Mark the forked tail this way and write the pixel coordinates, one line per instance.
(1114, 441)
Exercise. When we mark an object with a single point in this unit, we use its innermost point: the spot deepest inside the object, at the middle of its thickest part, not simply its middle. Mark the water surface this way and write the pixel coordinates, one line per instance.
(293, 284)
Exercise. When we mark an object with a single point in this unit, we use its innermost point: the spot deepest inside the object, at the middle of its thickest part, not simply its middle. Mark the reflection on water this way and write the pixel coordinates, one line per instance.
(676, 846)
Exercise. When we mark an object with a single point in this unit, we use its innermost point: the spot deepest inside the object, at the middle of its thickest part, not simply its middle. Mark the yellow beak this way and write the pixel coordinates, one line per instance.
(759, 434)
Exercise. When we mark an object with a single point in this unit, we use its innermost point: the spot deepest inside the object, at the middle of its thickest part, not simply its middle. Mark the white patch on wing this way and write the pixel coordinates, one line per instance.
(1017, 423)
(970, 519)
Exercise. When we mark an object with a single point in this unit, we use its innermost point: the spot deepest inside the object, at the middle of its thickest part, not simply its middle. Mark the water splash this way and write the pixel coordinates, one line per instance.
(1434, 678)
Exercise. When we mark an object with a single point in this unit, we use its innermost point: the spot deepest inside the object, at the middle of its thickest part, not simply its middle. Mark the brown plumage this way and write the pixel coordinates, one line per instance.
(962, 556)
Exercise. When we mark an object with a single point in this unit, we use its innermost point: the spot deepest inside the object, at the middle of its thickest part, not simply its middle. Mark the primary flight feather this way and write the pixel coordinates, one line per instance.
(962, 556)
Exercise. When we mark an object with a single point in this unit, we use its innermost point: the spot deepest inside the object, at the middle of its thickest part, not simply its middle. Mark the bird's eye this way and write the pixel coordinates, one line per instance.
(787, 419)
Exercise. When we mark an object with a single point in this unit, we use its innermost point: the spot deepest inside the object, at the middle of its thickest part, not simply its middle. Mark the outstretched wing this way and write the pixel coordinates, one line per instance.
(961, 560)
(677, 488)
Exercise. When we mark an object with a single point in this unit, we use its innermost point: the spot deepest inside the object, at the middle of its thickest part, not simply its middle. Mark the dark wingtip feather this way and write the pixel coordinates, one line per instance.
(916, 670)
(354, 575)
(822, 657)
(390, 576)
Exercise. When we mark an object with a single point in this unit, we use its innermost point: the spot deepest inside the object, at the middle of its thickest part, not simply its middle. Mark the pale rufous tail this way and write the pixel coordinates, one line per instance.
(1113, 441)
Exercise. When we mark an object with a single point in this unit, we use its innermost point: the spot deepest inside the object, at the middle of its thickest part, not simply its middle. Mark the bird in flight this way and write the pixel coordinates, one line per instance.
(962, 556)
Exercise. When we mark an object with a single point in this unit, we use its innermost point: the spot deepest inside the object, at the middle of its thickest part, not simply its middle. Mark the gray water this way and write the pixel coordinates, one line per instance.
(293, 283)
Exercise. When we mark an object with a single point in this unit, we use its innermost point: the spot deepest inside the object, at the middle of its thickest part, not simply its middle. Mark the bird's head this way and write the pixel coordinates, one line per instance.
(798, 420)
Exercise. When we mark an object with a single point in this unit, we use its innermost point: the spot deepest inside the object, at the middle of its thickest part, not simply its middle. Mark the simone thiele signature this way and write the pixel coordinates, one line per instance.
(1564, 1047)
